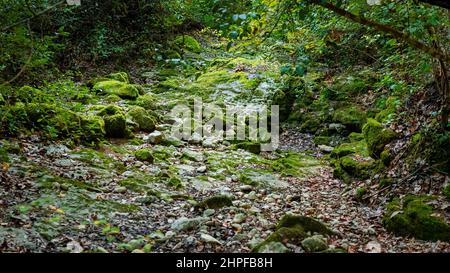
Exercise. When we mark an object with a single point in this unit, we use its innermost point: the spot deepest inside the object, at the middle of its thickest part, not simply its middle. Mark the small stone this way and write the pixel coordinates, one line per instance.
(209, 239)
(315, 243)
(184, 224)
(74, 247)
(137, 251)
(120, 189)
(239, 218)
(208, 212)
(325, 148)
(373, 247)
(246, 188)
(156, 137)
(201, 169)
(273, 247)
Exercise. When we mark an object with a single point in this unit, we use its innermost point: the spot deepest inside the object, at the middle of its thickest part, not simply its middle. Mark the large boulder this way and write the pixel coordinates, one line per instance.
(377, 137)
(352, 117)
(142, 118)
(119, 88)
(414, 217)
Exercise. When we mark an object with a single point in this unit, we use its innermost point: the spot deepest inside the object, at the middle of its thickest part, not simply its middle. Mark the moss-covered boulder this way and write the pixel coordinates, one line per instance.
(316, 243)
(121, 89)
(142, 118)
(294, 229)
(308, 224)
(357, 167)
(120, 76)
(144, 155)
(414, 217)
(216, 202)
(116, 126)
(110, 110)
(377, 137)
(189, 43)
(350, 148)
(93, 128)
(147, 101)
(352, 117)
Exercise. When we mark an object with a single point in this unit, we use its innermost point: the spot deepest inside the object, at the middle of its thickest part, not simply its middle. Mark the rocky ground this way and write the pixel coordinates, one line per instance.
(200, 195)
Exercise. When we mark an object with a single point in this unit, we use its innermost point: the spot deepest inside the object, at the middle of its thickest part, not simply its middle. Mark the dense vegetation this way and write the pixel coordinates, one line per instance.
(85, 99)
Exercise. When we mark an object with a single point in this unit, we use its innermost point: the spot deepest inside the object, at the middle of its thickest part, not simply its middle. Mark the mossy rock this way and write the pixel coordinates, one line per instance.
(4, 157)
(121, 89)
(294, 229)
(252, 147)
(352, 117)
(322, 140)
(386, 156)
(120, 76)
(93, 128)
(362, 169)
(377, 137)
(415, 218)
(113, 98)
(147, 101)
(110, 110)
(144, 155)
(355, 137)
(142, 118)
(308, 224)
(360, 194)
(311, 125)
(345, 149)
(116, 126)
(189, 43)
(216, 202)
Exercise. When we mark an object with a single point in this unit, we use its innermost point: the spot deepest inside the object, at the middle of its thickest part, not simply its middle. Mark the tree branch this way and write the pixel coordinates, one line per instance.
(434, 52)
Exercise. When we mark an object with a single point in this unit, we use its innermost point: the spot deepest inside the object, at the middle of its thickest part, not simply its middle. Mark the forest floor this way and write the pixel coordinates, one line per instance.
(54, 198)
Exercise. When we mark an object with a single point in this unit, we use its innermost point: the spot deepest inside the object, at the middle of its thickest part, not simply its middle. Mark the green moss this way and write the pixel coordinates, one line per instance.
(93, 129)
(294, 164)
(377, 137)
(112, 98)
(308, 224)
(386, 156)
(142, 118)
(414, 218)
(293, 235)
(110, 110)
(344, 149)
(4, 157)
(360, 194)
(172, 54)
(362, 169)
(147, 102)
(322, 140)
(446, 191)
(355, 137)
(144, 155)
(116, 126)
(121, 89)
(352, 117)
(120, 76)
(216, 202)
(253, 147)
(188, 42)
(310, 125)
